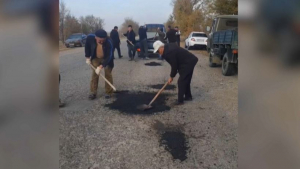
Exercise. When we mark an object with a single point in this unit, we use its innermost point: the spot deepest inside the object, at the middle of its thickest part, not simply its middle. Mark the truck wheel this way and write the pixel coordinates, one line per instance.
(227, 67)
(211, 64)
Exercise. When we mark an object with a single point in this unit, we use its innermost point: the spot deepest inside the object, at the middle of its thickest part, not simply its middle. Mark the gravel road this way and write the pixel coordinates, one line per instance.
(200, 134)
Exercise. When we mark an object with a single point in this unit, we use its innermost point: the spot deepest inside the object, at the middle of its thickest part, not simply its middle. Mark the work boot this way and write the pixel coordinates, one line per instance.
(92, 96)
(120, 57)
(178, 103)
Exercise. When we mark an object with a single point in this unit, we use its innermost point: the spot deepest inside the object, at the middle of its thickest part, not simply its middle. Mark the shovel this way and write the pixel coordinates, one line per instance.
(105, 79)
(145, 106)
(128, 41)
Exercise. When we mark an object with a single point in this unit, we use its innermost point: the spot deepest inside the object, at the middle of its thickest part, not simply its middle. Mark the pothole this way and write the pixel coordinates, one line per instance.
(173, 140)
(152, 64)
(128, 103)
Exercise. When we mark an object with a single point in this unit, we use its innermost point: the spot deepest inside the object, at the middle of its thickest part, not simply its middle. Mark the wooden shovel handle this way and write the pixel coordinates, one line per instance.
(158, 93)
(105, 79)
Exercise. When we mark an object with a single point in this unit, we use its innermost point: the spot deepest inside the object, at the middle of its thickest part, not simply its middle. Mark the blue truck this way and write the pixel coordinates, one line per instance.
(152, 36)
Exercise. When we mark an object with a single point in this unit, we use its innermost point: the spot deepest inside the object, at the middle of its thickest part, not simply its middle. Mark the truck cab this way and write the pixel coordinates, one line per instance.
(222, 22)
(222, 43)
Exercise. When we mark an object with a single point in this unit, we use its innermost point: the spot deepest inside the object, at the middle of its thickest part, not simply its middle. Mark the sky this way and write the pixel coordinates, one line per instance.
(114, 11)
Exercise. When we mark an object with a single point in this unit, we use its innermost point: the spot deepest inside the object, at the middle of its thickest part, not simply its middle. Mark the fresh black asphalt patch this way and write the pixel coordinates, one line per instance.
(152, 64)
(159, 86)
(121, 91)
(175, 143)
(128, 102)
(172, 139)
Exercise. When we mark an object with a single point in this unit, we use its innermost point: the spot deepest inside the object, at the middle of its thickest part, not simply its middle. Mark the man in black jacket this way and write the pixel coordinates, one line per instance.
(114, 35)
(99, 53)
(131, 38)
(171, 35)
(143, 41)
(181, 61)
(177, 35)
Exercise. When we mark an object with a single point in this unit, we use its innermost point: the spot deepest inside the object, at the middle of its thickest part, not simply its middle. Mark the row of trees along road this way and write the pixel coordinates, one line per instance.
(195, 15)
(69, 24)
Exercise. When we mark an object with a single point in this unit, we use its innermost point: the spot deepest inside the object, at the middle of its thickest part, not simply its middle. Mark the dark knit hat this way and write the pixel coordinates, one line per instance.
(101, 33)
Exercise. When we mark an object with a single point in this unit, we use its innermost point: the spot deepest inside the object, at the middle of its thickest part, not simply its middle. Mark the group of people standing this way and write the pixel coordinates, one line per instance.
(173, 35)
(99, 52)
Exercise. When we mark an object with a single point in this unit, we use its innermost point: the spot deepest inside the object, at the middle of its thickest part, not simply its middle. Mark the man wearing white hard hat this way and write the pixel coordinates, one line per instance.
(181, 61)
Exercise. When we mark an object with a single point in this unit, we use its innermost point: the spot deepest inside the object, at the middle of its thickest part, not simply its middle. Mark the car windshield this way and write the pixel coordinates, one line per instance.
(199, 35)
(153, 27)
(74, 37)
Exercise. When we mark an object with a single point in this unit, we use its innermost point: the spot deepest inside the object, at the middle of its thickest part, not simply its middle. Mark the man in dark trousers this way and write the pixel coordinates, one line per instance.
(131, 38)
(143, 42)
(171, 35)
(114, 35)
(177, 35)
(99, 53)
(161, 36)
(181, 61)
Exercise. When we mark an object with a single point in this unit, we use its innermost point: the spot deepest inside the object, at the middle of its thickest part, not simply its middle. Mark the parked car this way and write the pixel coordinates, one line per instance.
(76, 39)
(222, 44)
(196, 39)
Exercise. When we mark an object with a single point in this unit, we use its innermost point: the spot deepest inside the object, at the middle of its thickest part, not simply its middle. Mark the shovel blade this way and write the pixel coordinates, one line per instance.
(144, 107)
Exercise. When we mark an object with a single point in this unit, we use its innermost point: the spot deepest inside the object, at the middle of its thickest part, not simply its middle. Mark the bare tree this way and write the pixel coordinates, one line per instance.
(72, 25)
(63, 11)
(195, 15)
(129, 21)
(91, 23)
(170, 21)
(225, 7)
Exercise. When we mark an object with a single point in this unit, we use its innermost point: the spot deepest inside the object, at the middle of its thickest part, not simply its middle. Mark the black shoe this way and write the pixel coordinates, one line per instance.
(61, 104)
(130, 59)
(107, 96)
(178, 104)
(92, 96)
(188, 98)
(120, 57)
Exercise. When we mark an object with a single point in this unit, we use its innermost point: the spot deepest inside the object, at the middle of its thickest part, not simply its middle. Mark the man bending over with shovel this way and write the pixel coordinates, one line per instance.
(99, 53)
(181, 61)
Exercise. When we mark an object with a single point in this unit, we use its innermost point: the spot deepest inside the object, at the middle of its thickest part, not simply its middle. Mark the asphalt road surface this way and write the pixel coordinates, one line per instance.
(105, 134)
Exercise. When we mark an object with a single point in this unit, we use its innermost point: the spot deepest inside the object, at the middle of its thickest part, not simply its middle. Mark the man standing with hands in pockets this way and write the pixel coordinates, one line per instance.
(99, 53)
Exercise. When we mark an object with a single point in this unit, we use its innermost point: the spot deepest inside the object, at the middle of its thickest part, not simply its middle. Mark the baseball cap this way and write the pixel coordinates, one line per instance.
(156, 45)
(101, 33)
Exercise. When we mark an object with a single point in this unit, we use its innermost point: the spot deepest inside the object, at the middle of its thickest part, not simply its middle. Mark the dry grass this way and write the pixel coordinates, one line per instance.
(197, 51)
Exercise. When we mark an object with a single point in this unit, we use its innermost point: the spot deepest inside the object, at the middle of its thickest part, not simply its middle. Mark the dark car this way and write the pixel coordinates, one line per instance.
(76, 39)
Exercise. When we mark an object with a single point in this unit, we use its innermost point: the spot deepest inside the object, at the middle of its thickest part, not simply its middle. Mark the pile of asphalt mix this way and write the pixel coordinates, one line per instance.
(175, 143)
(128, 103)
(159, 86)
(152, 64)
